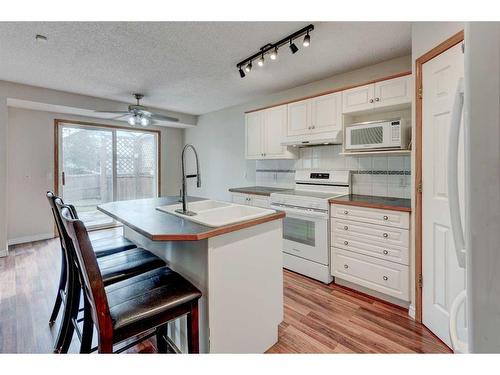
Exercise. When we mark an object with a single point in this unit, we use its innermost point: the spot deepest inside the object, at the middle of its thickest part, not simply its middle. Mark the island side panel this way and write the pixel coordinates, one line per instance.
(190, 259)
(245, 279)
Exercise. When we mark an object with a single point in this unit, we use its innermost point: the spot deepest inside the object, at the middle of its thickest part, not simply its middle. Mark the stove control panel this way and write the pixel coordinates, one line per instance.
(319, 176)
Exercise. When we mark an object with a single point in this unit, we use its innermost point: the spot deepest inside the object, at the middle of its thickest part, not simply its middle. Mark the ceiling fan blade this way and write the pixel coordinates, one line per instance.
(157, 116)
(118, 112)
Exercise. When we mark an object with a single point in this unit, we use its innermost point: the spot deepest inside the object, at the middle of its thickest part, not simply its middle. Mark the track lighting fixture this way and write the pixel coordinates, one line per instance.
(293, 47)
(261, 61)
(307, 40)
(272, 50)
(274, 55)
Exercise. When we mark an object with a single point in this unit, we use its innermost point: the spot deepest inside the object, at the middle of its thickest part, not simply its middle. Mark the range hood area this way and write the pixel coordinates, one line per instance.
(330, 139)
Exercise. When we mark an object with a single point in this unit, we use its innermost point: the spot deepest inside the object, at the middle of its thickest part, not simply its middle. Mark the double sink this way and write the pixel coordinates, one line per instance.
(216, 213)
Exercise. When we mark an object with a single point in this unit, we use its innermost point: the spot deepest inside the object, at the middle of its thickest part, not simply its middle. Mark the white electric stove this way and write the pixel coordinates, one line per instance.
(306, 227)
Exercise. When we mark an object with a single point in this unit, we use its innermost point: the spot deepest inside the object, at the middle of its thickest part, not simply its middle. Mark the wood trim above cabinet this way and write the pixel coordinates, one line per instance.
(334, 90)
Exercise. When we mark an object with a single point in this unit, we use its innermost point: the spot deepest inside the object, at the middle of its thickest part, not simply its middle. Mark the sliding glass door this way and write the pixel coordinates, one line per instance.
(98, 164)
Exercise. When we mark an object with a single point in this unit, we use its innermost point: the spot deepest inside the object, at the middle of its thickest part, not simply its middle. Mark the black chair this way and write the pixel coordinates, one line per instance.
(118, 265)
(132, 307)
(103, 247)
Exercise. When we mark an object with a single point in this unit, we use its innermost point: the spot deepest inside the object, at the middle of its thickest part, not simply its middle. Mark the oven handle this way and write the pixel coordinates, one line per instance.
(301, 212)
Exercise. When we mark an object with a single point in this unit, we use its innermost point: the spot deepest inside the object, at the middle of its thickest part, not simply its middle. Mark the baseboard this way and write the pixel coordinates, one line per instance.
(411, 311)
(36, 237)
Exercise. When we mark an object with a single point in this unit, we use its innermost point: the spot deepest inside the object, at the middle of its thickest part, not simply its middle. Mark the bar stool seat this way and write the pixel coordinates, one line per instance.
(120, 266)
(143, 300)
(107, 246)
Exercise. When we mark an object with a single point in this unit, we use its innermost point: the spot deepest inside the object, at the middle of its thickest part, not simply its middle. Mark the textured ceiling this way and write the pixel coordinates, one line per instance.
(187, 66)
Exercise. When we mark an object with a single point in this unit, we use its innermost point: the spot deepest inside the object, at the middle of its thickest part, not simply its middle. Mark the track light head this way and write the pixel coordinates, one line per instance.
(307, 40)
(248, 68)
(260, 62)
(242, 73)
(274, 54)
(293, 47)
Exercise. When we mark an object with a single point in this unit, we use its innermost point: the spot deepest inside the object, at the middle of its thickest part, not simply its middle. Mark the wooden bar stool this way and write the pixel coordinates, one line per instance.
(103, 247)
(116, 266)
(132, 307)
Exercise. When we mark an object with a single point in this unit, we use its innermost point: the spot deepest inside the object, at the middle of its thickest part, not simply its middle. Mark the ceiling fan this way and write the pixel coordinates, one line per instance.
(138, 114)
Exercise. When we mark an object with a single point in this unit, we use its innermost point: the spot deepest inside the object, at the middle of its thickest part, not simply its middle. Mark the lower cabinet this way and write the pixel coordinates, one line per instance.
(375, 256)
(261, 201)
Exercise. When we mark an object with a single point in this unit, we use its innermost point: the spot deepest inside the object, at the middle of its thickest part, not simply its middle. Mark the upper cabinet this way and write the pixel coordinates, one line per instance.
(391, 92)
(321, 114)
(265, 130)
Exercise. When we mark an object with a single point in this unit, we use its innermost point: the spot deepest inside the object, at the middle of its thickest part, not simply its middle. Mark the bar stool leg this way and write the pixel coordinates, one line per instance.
(88, 328)
(61, 287)
(70, 312)
(192, 329)
(161, 341)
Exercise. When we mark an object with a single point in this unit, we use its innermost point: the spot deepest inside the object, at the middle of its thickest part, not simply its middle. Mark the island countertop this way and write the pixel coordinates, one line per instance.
(142, 216)
(385, 203)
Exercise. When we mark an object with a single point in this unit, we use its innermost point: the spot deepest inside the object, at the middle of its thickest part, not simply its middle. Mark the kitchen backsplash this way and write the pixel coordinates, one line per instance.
(380, 175)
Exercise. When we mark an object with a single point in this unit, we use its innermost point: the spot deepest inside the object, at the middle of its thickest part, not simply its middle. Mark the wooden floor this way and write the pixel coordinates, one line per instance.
(318, 318)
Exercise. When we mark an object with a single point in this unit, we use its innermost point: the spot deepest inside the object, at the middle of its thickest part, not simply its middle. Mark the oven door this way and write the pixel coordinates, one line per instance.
(305, 233)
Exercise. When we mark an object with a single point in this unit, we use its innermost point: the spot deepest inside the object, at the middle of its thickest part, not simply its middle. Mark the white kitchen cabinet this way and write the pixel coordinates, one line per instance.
(326, 113)
(391, 92)
(358, 99)
(261, 201)
(254, 135)
(299, 118)
(371, 247)
(321, 114)
(265, 130)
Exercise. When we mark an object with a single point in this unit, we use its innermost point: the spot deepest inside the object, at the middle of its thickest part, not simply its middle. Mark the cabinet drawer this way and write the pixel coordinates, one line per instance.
(380, 241)
(372, 215)
(385, 277)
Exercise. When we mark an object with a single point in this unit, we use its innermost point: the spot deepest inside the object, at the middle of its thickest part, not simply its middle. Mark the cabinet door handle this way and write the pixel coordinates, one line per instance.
(346, 227)
(386, 217)
(346, 266)
(385, 252)
(371, 100)
(385, 235)
(346, 243)
(346, 212)
(377, 99)
(385, 278)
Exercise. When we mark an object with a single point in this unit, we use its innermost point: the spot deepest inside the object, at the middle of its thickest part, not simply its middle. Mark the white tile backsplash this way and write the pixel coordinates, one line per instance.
(328, 157)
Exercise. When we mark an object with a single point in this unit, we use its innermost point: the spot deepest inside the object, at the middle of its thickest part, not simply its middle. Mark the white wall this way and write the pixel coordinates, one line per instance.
(30, 169)
(220, 136)
(425, 36)
(3, 171)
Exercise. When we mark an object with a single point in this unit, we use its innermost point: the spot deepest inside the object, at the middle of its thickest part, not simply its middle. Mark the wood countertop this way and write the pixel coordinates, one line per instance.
(384, 203)
(142, 216)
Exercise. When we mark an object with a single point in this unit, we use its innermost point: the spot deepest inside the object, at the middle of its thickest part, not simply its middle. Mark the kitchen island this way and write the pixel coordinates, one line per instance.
(237, 267)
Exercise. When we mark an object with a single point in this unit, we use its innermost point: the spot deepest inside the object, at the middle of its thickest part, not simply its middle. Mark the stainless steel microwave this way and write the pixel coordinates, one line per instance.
(376, 135)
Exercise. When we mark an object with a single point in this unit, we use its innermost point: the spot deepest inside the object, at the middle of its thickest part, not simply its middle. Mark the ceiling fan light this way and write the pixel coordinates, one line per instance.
(131, 120)
(144, 121)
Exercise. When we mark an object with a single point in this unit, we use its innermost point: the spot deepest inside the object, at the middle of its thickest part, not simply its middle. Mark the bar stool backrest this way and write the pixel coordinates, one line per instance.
(93, 285)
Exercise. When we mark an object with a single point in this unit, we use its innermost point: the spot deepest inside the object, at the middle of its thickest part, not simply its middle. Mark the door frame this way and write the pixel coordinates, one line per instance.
(439, 49)
(57, 127)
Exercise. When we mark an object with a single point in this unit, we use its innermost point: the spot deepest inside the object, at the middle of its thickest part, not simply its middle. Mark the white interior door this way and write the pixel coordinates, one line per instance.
(443, 279)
